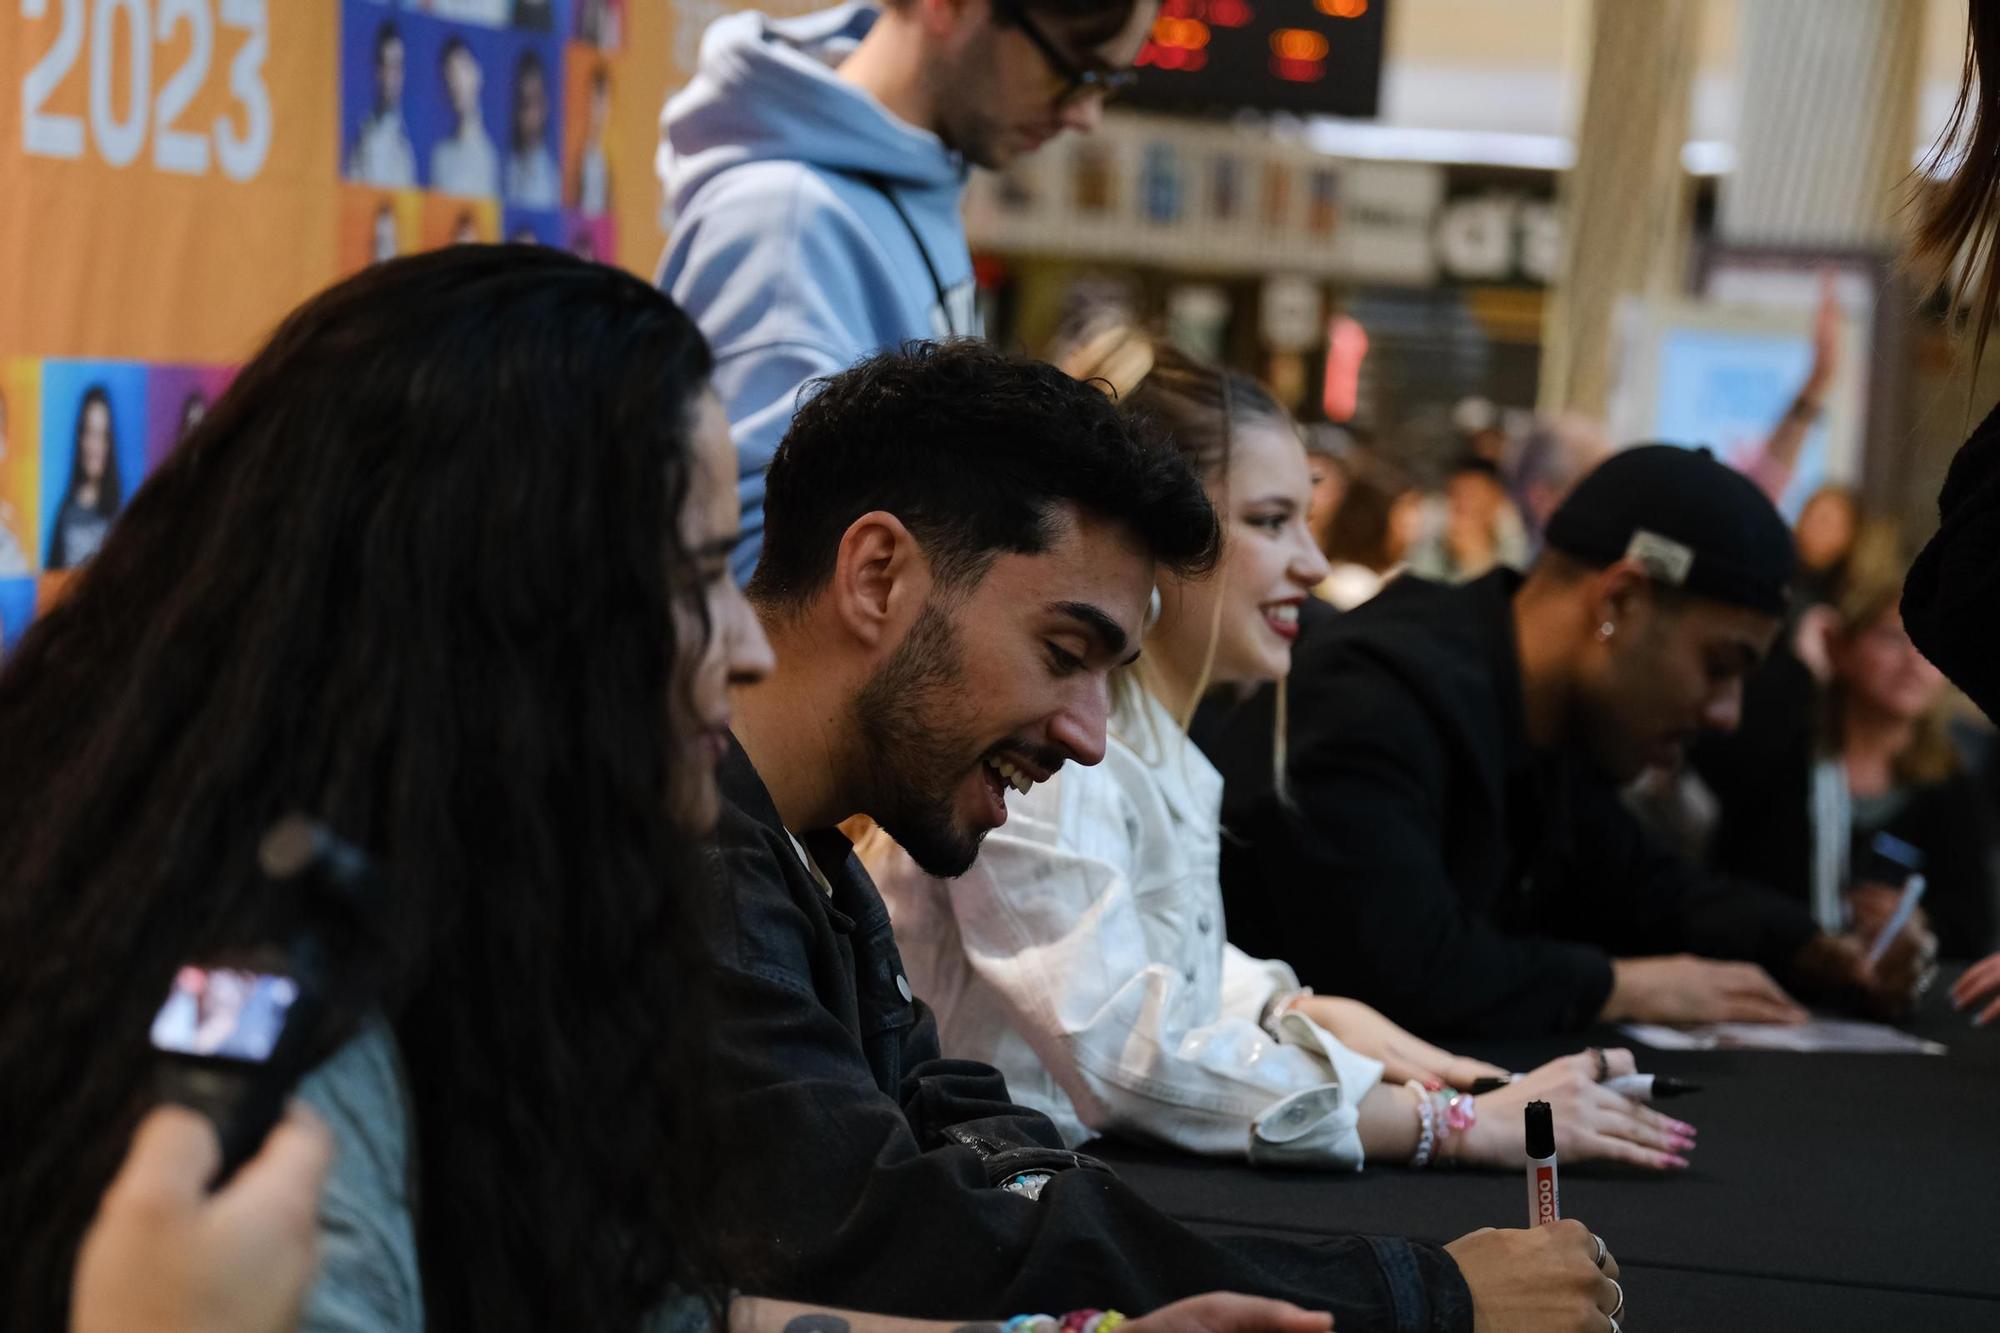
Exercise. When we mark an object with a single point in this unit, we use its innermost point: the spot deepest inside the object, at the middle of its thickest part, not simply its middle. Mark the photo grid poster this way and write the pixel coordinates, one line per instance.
(176, 175)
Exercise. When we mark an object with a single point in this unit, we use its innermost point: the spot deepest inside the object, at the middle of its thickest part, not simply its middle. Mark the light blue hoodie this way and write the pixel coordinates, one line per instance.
(792, 263)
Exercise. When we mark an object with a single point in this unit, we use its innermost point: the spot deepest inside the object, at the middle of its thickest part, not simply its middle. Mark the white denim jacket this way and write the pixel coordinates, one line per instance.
(1084, 957)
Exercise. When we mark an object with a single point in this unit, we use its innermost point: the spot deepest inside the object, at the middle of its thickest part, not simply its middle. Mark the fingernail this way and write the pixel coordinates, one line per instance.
(1684, 1127)
(1679, 1163)
(1434, 1084)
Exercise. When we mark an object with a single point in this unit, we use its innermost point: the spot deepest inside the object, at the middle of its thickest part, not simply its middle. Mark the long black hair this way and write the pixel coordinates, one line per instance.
(417, 573)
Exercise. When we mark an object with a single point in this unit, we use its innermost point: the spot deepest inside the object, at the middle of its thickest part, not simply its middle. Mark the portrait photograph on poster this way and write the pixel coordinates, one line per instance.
(93, 453)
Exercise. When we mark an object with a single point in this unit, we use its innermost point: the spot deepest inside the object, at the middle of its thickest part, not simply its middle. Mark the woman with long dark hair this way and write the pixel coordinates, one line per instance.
(94, 491)
(422, 573)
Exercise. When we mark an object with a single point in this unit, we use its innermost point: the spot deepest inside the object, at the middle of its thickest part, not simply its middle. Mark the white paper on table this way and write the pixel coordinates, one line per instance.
(1819, 1034)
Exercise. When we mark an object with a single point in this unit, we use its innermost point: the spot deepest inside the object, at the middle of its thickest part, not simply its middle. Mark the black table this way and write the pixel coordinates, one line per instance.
(1830, 1192)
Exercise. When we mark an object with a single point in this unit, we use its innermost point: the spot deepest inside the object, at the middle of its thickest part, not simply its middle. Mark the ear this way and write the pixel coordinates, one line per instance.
(1616, 592)
(880, 579)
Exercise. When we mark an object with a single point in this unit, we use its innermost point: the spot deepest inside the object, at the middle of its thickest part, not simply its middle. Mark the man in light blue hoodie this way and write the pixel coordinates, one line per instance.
(814, 169)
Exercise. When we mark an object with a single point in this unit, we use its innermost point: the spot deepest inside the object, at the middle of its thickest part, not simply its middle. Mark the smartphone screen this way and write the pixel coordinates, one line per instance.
(1889, 860)
(224, 1013)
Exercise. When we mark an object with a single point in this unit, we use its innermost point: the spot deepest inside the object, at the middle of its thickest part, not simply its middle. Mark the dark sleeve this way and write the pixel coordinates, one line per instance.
(1640, 898)
(1355, 869)
(830, 1193)
(1953, 590)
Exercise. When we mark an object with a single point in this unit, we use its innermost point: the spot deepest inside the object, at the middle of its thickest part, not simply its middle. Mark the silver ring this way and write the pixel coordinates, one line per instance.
(1619, 1308)
(1602, 1253)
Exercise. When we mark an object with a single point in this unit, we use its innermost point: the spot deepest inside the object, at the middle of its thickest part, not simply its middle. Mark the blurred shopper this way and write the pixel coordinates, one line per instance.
(1807, 786)
(1482, 528)
(815, 167)
(1371, 533)
(1451, 848)
(1829, 524)
(1328, 451)
(1555, 454)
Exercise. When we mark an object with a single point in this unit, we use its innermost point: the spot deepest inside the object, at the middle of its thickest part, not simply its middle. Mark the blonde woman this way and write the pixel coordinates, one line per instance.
(1085, 955)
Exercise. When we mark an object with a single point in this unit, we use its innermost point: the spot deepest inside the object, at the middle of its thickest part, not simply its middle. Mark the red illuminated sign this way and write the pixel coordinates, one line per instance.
(1281, 55)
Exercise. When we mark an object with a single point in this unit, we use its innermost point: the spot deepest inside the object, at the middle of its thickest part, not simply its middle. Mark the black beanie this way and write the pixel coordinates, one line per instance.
(1692, 522)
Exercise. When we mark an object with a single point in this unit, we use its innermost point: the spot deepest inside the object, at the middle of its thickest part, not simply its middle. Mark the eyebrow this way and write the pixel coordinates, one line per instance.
(1102, 627)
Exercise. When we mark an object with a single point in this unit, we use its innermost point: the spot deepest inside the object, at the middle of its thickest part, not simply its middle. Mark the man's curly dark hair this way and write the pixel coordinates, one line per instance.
(977, 453)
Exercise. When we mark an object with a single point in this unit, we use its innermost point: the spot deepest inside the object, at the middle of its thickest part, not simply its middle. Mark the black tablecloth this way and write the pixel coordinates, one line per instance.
(1829, 1191)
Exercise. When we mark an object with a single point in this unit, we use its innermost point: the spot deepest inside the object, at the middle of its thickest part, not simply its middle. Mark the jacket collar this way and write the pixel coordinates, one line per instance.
(855, 898)
(1187, 781)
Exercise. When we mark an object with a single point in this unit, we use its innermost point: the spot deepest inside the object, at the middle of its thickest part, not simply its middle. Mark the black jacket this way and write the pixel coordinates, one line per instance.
(1434, 865)
(859, 1169)
(1953, 592)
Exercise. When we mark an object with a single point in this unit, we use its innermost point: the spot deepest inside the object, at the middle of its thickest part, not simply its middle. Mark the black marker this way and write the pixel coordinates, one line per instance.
(1650, 1087)
(1544, 1198)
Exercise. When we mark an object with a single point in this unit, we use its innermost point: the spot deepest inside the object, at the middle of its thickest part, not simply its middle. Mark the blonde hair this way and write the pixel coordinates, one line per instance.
(1873, 588)
(1200, 406)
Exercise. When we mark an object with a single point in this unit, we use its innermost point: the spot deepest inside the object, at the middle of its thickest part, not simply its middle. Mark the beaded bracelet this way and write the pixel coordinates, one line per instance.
(1427, 1124)
(1076, 1321)
(1441, 1117)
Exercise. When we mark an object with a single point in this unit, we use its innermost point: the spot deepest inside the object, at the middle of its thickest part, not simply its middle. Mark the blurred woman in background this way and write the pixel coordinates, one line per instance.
(1803, 808)
(1370, 534)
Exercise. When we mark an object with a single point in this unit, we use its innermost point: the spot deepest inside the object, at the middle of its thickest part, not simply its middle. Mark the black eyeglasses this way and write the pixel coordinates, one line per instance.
(1078, 82)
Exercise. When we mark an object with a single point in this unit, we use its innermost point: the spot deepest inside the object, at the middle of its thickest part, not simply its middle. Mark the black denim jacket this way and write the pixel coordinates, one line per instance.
(858, 1167)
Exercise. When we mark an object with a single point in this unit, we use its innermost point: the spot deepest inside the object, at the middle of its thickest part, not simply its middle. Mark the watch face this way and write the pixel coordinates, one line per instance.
(224, 1013)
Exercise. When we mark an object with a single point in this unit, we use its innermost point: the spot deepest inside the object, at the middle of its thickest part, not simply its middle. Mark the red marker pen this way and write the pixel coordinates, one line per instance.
(1544, 1198)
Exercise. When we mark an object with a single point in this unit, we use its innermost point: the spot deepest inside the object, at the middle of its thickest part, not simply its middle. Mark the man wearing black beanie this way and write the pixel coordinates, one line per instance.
(1450, 845)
